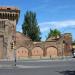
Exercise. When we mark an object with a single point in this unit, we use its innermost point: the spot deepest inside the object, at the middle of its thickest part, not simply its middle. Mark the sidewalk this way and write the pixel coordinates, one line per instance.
(46, 60)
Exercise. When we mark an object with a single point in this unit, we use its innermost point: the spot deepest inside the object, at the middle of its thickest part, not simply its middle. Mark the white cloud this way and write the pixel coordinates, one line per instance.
(44, 29)
(45, 26)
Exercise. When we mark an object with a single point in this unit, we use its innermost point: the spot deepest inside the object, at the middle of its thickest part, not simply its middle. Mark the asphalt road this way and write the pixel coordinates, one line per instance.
(61, 67)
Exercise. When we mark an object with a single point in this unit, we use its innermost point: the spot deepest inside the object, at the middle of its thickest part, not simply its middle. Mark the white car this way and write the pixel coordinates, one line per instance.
(74, 54)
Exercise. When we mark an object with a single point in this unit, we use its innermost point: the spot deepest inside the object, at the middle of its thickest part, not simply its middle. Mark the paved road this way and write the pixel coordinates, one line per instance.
(39, 71)
(63, 67)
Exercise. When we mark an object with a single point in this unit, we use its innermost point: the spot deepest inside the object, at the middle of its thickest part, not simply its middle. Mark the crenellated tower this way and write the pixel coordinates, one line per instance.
(8, 20)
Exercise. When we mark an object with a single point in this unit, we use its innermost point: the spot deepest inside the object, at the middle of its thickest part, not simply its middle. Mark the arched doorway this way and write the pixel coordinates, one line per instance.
(37, 51)
(22, 52)
(52, 51)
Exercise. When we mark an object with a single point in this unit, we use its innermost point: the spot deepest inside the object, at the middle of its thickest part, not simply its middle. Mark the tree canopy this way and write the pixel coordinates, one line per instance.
(53, 33)
(30, 26)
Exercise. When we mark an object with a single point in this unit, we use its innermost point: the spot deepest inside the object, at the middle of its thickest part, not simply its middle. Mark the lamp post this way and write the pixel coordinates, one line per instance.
(14, 48)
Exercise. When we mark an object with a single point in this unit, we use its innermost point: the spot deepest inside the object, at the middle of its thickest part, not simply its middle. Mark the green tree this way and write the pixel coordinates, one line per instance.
(54, 33)
(30, 26)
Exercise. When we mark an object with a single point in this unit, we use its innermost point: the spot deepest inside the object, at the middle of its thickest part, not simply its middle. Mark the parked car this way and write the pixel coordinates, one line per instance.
(74, 55)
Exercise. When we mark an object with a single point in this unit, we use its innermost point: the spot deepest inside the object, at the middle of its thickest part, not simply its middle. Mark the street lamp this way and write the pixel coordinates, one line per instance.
(14, 48)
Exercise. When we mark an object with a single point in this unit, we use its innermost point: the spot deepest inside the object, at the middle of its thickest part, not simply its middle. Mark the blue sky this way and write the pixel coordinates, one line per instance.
(52, 14)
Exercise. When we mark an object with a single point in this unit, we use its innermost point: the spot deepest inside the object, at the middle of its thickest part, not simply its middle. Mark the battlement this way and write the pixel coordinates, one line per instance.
(8, 8)
(10, 13)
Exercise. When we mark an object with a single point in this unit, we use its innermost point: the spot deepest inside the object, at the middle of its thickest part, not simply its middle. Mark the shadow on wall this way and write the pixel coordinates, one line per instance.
(67, 72)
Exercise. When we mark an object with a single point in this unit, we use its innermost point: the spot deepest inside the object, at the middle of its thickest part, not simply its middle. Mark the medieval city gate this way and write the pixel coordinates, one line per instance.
(8, 20)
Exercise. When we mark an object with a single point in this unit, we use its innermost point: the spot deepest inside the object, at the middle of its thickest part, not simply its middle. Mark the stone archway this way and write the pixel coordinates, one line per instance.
(51, 51)
(37, 51)
(22, 52)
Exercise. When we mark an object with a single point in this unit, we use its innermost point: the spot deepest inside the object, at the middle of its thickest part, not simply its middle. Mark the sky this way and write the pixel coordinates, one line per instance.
(51, 14)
